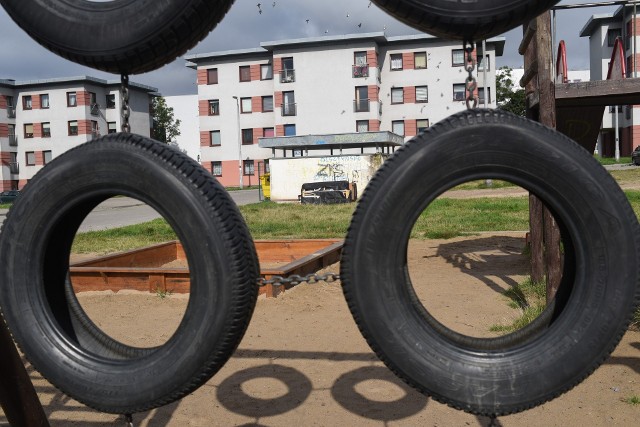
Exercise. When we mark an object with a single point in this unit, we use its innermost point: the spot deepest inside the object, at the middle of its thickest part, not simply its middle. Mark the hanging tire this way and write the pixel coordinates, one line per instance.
(468, 20)
(50, 326)
(599, 291)
(119, 36)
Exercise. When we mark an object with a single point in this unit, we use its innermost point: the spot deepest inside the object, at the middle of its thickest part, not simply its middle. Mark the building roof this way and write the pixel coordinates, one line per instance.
(594, 22)
(75, 79)
(337, 140)
(377, 37)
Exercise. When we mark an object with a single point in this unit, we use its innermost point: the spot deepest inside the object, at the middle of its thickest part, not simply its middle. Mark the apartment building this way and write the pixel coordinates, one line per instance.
(41, 119)
(603, 30)
(327, 85)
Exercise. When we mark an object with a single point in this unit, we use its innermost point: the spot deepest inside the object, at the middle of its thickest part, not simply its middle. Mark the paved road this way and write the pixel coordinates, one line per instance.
(121, 211)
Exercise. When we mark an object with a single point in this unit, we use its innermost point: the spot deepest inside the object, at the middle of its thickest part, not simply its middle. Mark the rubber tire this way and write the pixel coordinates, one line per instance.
(601, 239)
(120, 36)
(35, 243)
(464, 20)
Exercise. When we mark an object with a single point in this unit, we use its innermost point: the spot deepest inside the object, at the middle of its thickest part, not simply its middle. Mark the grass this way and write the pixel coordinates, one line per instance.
(626, 176)
(632, 400)
(530, 298)
(123, 238)
(5, 205)
(612, 160)
(482, 184)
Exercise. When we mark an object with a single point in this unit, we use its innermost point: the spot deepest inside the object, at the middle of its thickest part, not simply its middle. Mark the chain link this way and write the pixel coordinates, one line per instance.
(296, 279)
(470, 65)
(126, 110)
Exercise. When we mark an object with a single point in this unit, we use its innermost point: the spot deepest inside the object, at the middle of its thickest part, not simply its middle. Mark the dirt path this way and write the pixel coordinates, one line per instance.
(303, 361)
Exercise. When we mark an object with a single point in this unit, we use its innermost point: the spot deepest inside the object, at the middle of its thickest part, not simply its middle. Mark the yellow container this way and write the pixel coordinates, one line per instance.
(265, 182)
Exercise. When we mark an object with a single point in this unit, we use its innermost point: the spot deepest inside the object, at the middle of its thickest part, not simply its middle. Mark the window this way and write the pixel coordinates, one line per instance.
(247, 136)
(397, 127)
(481, 95)
(459, 92)
(44, 100)
(362, 125)
(287, 74)
(397, 95)
(214, 138)
(483, 62)
(266, 72)
(361, 102)
(216, 168)
(30, 158)
(47, 156)
(420, 60)
(396, 61)
(212, 76)
(9, 101)
(73, 127)
(94, 128)
(422, 94)
(111, 127)
(245, 73)
(46, 129)
(288, 103)
(360, 58)
(422, 125)
(26, 102)
(289, 130)
(612, 35)
(457, 57)
(268, 132)
(93, 99)
(111, 100)
(28, 130)
(214, 107)
(245, 105)
(247, 167)
(267, 103)
(72, 100)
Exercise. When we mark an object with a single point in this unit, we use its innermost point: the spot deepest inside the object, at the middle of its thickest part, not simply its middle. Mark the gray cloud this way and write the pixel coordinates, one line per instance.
(244, 27)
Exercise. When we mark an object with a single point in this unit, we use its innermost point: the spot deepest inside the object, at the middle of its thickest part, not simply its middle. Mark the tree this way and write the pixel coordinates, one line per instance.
(509, 96)
(165, 126)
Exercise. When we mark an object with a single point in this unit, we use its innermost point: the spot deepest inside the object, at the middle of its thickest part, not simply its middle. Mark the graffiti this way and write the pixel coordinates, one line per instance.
(330, 172)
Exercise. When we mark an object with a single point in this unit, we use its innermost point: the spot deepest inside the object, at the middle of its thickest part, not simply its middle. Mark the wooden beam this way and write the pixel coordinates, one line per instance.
(598, 93)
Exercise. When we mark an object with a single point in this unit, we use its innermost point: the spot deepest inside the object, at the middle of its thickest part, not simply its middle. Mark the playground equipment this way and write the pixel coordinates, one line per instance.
(585, 318)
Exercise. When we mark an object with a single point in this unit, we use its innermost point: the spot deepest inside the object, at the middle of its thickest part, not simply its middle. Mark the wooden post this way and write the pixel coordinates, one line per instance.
(17, 396)
(536, 239)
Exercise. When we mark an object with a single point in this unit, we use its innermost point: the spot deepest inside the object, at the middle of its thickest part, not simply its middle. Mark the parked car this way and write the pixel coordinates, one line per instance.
(635, 156)
(9, 196)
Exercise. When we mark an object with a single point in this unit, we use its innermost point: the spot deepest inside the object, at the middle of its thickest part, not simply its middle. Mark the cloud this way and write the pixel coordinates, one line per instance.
(243, 28)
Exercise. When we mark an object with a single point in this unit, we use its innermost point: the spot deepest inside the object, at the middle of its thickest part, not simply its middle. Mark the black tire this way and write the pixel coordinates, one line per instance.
(119, 36)
(51, 328)
(601, 239)
(464, 20)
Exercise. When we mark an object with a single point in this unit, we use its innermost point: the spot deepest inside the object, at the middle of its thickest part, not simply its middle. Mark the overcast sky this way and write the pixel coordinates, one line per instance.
(244, 27)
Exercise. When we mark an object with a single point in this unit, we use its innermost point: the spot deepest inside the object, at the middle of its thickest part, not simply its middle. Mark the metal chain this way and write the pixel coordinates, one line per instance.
(296, 279)
(126, 110)
(470, 65)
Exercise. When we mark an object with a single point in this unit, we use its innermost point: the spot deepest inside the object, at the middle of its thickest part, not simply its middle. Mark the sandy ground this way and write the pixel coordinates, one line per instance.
(303, 361)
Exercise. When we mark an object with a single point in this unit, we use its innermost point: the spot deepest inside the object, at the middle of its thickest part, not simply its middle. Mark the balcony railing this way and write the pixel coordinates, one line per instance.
(289, 109)
(13, 140)
(11, 112)
(361, 105)
(360, 70)
(287, 76)
(14, 167)
(95, 109)
(95, 134)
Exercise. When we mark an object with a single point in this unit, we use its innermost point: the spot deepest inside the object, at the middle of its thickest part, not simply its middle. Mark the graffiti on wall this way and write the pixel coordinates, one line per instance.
(343, 168)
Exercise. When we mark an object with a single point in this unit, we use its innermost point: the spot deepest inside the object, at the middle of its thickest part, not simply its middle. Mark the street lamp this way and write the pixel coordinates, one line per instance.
(239, 142)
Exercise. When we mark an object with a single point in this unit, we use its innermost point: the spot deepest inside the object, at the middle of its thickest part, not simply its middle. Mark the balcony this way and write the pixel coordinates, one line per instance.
(288, 109)
(14, 167)
(11, 112)
(287, 76)
(13, 140)
(95, 134)
(360, 70)
(361, 105)
(95, 109)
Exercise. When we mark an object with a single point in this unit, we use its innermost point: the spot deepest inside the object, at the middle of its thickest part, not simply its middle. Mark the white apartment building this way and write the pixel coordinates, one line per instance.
(41, 119)
(327, 85)
(602, 30)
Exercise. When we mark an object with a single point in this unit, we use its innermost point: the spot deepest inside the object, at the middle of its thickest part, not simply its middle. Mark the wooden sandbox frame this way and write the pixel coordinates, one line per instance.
(143, 269)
